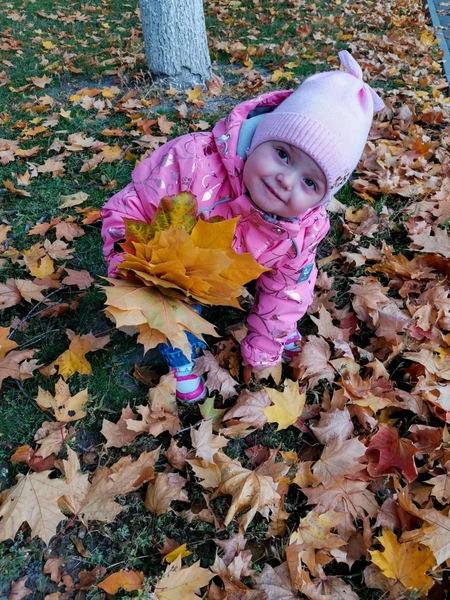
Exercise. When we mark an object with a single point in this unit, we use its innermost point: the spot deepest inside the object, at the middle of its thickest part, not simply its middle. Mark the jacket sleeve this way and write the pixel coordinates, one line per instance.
(282, 298)
(161, 174)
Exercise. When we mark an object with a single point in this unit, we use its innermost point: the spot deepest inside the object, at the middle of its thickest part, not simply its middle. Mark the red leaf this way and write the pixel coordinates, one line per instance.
(388, 450)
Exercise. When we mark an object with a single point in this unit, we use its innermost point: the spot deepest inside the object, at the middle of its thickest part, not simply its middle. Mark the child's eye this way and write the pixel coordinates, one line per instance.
(310, 183)
(282, 154)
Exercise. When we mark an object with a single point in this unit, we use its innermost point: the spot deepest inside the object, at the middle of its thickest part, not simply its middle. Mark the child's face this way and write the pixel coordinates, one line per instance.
(283, 180)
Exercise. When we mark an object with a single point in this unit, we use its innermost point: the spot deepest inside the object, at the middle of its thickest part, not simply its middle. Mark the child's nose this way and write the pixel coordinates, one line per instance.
(286, 180)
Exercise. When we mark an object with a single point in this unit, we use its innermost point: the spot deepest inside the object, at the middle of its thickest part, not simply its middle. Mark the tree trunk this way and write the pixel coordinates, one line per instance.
(175, 40)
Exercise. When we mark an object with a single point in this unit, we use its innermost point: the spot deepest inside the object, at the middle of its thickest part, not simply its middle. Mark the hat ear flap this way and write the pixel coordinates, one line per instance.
(350, 64)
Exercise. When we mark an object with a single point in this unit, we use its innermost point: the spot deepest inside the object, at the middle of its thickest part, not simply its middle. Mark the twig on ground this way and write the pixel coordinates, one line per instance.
(31, 313)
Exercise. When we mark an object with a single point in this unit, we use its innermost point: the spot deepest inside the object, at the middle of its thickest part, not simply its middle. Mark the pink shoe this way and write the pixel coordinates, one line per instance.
(190, 387)
(291, 346)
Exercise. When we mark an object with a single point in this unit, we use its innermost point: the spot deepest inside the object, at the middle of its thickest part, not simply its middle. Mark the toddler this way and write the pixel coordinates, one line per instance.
(275, 161)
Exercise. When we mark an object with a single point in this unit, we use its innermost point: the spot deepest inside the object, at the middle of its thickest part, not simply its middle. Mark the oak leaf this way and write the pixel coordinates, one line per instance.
(287, 405)
(166, 488)
(407, 562)
(65, 407)
(34, 499)
(206, 444)
(130, 581)
(179, 583)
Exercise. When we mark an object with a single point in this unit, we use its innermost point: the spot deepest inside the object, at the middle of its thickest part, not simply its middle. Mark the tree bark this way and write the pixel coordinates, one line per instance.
(175, 40)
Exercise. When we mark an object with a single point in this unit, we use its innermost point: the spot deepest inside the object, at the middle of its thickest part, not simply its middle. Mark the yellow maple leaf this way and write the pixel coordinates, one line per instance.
(194, 94)
(406, 563)
(278, 75)
(73, 360)
(202, 266)
(134, 304)
(427, 38)
(49, 45)
(180, 551)
(287, 405)
(173, 211)
(111, 153)
(66, 407)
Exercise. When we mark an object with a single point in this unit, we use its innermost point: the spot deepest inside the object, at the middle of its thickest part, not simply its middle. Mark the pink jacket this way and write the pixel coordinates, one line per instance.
(207, 165)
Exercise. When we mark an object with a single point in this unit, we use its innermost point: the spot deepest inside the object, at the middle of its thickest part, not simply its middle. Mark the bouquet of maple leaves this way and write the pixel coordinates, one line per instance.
(171, 263)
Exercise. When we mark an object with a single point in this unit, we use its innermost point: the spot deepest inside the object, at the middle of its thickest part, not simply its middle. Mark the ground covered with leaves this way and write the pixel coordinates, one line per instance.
(325, 479)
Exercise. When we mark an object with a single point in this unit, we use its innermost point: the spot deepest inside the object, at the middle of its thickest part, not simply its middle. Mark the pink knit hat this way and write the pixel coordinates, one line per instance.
(329, 117)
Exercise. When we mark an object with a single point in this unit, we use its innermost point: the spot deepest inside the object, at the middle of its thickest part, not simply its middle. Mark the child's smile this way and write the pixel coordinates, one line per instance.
(283, 180)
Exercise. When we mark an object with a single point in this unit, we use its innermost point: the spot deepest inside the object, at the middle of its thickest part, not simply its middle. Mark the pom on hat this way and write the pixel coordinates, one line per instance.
(329, 117)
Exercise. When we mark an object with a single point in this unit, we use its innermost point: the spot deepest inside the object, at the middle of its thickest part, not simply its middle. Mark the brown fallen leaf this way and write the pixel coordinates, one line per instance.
(123, 477)
(34, 499)
(339, 458)
(19, 589)
(206, 444)
(166, 488)
(249, 408)
(81, 279)
(178, 582)
(217, 378)
(77, 482)
(247, 488)
(53, 567)
(10, 365)
(130, 581)
(117, 434)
